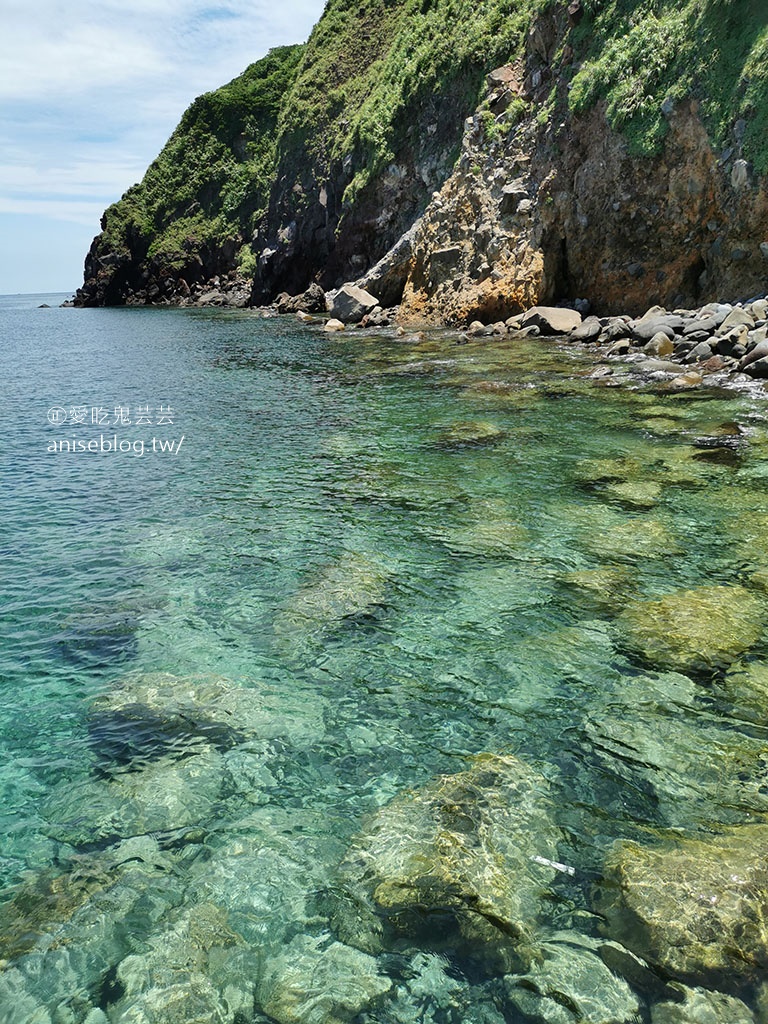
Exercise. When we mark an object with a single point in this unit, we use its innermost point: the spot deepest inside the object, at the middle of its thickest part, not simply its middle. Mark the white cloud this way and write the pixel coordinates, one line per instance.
(55, 209)
(89, 92)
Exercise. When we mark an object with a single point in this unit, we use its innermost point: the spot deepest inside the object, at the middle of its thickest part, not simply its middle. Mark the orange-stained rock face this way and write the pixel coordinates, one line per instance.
(558, 212)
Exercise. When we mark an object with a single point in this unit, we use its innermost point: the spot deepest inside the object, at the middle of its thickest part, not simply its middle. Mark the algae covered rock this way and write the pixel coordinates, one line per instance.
(592, 472)
(634, 494)
(66, 934)
(656, 748)
(695, 908)
(632, 540)
(599, 590)
(267, 878)
(569, 983)
(746, 685)
(193, 1000)
(494, 529)
(318, 981)
(694, 630)
(465, 860)
(183, 974)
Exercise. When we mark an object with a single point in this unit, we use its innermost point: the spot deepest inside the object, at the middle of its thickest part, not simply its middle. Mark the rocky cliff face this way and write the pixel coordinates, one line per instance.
(558, 211)
(593, 162)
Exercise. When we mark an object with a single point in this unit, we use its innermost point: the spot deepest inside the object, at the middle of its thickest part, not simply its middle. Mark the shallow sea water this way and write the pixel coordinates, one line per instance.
(402, 594)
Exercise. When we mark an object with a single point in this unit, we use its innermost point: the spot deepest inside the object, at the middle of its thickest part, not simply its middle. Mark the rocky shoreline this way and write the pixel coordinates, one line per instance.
(727, 339)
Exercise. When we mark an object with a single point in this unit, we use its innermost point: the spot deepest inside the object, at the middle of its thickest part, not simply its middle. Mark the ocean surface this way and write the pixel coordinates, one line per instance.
(258, 582)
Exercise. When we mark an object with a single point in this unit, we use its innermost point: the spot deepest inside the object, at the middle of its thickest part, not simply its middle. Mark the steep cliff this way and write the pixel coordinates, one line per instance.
(617, 152)
(187, 221)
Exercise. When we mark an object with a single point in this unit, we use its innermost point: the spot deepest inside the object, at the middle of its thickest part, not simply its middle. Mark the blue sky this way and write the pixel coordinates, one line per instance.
(89, 93)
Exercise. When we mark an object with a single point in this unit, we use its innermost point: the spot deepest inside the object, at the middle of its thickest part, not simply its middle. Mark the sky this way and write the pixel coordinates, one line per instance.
(89, 94)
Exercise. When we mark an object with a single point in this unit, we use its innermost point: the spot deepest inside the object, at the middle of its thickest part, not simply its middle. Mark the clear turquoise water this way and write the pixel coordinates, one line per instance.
(405, 598)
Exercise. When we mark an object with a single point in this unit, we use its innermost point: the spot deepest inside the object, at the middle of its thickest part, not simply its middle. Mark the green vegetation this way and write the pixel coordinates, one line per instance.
(639, 53)
(212, 179)
(372, 71)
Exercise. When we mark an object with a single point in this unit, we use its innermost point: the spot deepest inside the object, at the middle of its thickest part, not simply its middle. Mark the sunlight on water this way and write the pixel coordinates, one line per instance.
(247, 682)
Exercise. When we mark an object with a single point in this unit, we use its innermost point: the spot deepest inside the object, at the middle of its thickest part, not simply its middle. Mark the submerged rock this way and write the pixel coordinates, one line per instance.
(351, 587)
(315, 980)
(592, 472)
(700, 1006)
(695, 908)
(495, 529)
(746, 685)
(77, 929)
(570, 984)
(163, 796)
(632, 540)
(694, 630)
(634, 494)
(600, 590)
(464, 860)
(146, 712)
(267, 879)
(655, 745)
(469, 434)
(191, 973)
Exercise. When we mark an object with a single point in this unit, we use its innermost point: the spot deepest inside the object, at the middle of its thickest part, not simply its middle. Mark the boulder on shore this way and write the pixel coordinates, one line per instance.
(551, 319)
(350, 303)
(386, 279)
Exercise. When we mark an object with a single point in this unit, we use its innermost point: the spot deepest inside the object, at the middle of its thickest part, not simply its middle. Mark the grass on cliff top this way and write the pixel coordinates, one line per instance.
(213, 176)
(369, 68)
(639, 53)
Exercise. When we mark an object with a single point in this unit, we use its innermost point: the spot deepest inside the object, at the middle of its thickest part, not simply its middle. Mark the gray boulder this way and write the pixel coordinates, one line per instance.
(551, 319)
(310, 301)
(733, 343)
(758, 368)
(705, 324)
(589, 330)
(699, 353)
(758, 351)
(386, 279)
(660, 345)
(736, 318)
(668, 323)
(350, 303)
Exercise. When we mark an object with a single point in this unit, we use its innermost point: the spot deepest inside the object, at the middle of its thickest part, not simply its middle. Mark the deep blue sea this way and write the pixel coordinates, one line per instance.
(259, 582)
